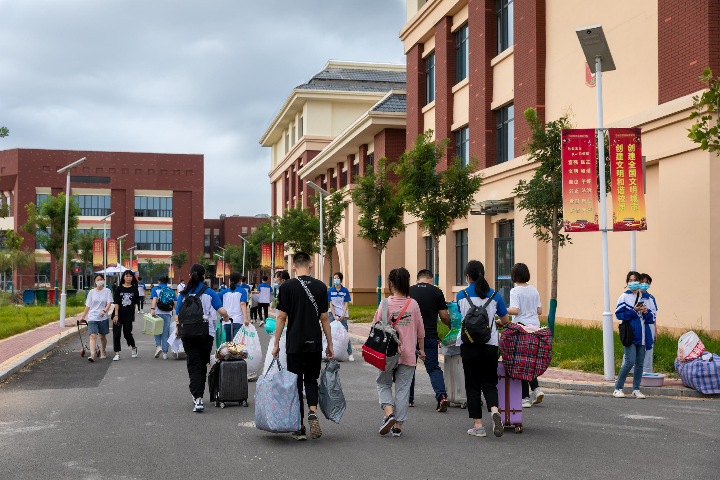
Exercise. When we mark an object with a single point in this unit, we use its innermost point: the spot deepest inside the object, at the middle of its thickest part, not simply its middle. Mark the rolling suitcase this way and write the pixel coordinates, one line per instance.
(455, 380)
(510, 399)
(232, 383)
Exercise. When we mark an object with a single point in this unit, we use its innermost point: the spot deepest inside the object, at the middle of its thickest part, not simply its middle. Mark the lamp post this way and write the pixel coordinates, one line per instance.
(597, 53)
(63, 295)
(119, 239)
(131, 249)
(245, 241)
(322, 192)
(104, 220)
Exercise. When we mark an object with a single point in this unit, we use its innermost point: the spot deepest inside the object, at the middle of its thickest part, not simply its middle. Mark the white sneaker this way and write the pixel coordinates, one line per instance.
(537, 396)
(164, 356)
(103, 355)
(637, 394)
(262, 323)
(134, 352)
(116, 357)
(199, 407)
(351, 358)
(158, 351)
(618, 394)
(526, 403)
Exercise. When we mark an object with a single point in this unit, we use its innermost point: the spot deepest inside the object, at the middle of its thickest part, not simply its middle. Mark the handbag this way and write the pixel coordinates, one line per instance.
(277, 401)
(381, 348)
(625, 329)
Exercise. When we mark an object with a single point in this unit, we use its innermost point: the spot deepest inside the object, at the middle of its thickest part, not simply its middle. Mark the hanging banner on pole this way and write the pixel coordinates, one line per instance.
(279, 255)
(97, 251)
(112, 253)
(219, 269)
(266, 258)
(135, 265)
(171, 271)
(627, 179)
(579, 180)
(127, 264)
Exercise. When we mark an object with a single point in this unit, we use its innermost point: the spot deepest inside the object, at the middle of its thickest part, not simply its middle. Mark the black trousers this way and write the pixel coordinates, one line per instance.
(123, 327)
(306, 366)
(253, 313)
(198, 356)
(526, 386)
(480, 363)
(263, 307)
(141, 302)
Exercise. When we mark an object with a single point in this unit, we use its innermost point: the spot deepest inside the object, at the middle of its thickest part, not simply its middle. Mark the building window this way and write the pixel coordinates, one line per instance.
(461, 54)
(84, 179)
(153, 207)
(504, 12)
(37, 243)
(343, 178)
(94, 205)
(40, 198)
(356, 176)
(371, 160)
(461, 256)
(505, 133)
(153, 240)
(207, 242)
(429, 254)
(462, 145)
(42, 273)
(216, 240)
(430, 78)
(287, 143)
(300, 128)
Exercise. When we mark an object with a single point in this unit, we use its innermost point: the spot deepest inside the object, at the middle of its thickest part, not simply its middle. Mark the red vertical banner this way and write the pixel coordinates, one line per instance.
(98, 251)
(112, 253)
(279, 255)
(579, 180)
(135, 265)
(127, 264)
(266, 255)
(219, 270)
(627, 179)
(171, 271)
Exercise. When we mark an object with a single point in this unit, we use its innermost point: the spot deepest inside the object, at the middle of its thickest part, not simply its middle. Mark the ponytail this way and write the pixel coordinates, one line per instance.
(235, 278)
(197, 277)
(476, 271)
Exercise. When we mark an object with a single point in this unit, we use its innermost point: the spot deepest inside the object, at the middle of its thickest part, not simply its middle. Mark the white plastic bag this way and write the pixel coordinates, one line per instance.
(175, 343)
(249, 336)
(340, 338)
(690, 347)
(269, 357)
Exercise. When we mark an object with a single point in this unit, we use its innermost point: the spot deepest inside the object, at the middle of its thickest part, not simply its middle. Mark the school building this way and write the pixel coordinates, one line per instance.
(472, 67)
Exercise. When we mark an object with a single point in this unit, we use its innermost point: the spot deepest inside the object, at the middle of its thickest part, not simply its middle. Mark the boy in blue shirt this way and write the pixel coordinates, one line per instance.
(339, 300)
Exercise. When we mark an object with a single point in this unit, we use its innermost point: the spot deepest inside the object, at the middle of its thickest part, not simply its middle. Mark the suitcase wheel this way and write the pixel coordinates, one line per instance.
(518, 429)
(222, 404)
(244, 403)
(464, 405)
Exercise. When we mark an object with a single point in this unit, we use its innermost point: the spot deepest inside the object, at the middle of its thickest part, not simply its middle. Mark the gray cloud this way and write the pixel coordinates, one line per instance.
(177, 76)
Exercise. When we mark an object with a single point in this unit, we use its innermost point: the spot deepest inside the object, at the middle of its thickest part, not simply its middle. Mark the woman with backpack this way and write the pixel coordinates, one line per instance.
(198, 299)
(125, 299)
(479, 351)
(404, 314)
(235, 301)
(163, 303)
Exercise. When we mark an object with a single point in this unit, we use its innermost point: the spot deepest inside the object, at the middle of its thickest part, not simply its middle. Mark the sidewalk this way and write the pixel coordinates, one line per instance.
(20, 350)
(572, 379)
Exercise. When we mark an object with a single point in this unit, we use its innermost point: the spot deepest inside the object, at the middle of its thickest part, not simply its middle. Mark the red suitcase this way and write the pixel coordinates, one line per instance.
(510, 399)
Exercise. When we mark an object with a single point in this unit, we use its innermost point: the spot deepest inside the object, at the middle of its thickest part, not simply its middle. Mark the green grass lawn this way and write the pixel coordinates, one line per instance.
(362, 313)
(14, 319)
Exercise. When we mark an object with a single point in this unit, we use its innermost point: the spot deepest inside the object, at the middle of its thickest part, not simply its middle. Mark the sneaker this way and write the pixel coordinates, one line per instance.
(637, 394)
(498, 428)
(103, 355)
(261, 324)
(315, 430)
(537, 396)
(443, 403)
(134, 352)
(300, 434)
(199, 407)
(618, 393)
(526, 403)
(396, 432)
(387, 424)
(477, 432)
(164, 356)
(411, 404)
(116, 357)
(158, 351)
(91, 358)
(351, 358)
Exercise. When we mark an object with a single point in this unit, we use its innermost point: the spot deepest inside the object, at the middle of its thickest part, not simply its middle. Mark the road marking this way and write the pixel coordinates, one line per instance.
(247, 424)
(642, 417)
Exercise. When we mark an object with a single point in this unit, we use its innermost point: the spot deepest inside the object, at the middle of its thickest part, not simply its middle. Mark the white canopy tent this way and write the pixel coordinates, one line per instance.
(116, 269)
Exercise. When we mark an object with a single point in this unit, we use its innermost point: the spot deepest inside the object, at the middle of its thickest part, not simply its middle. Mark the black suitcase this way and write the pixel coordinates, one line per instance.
(232, 383)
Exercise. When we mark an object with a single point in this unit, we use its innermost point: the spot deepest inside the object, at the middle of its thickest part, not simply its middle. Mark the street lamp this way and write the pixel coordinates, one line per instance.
(596, 50)
(221, 257)
(104, 220)
(131, 259)
(321, 191)
(119, 239)
(245, 241)
(63, 295)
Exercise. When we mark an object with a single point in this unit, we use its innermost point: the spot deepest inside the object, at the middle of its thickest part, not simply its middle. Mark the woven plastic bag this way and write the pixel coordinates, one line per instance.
(248, 336)
(277, 403)
(332, 400)
(340, 338)
(455, 325)
(690, 347)
(282, 355)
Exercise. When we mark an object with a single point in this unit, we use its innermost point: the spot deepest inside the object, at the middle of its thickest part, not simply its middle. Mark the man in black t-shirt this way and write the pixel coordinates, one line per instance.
(303, 302)
(432, 303)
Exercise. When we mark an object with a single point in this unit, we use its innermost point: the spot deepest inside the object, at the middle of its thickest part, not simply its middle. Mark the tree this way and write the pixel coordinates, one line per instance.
(205, 262)
(333, 209)
(436, 198)
(179, 260)
(47, 222)
(153, 268)
(84, 246)
(299, 230)
(4, 132)
(705, 131)
(381, 210)
(22, 259)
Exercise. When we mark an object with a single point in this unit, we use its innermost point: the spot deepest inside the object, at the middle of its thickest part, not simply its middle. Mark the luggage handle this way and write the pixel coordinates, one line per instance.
(275, 359)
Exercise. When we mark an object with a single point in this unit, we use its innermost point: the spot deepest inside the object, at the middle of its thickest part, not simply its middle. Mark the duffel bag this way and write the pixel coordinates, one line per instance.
(702, 375)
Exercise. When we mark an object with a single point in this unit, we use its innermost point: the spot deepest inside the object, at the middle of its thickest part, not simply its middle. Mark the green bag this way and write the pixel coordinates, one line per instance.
(455, 325)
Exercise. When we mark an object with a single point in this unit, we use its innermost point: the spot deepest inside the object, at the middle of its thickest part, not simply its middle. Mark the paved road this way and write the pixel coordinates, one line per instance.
(65, 418)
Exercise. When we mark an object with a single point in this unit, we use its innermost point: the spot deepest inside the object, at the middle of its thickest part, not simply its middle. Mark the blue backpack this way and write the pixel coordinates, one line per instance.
(166, 298)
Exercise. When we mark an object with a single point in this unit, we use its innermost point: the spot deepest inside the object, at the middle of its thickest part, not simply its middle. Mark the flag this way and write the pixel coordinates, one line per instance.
(112, 257)
(280, 255)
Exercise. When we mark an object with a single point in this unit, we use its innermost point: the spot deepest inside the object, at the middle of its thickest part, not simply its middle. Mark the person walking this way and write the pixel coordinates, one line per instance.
(651, 304)
(197, 350)
(254, 302)
(265, 291)
(480, 361)
(125, 299)
(431, 301)
(235, 301)
(163, 303)
(97, 305)
(141, 294)
(303, 307)
(339, 300)
(631, 307)
(411, 332)
(525, 307)
(181, 286)
(245, 285)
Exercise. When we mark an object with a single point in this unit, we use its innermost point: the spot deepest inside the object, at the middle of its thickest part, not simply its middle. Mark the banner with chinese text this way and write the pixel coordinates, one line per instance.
(219, 269)
(98, 251)
(112, 253)
(280, 255)
(127, 264)
(171, 271)
(135, 265)
(266, 258)
(627, 179)
(579, 180)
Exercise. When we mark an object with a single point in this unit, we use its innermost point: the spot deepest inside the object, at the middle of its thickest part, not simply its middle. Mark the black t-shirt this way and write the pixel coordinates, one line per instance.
(303, 327)
(126, 298)
(431, 300)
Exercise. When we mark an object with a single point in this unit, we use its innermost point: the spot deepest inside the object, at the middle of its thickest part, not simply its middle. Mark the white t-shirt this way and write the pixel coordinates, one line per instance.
(231, 301)
(97, 301)
(180, 287)
(527, 299)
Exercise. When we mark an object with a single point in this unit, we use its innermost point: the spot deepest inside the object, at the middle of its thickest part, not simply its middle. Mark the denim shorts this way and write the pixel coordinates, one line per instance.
(102, 327)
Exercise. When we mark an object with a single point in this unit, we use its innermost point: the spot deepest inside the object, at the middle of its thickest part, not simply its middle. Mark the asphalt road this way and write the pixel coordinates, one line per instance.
(65, 418)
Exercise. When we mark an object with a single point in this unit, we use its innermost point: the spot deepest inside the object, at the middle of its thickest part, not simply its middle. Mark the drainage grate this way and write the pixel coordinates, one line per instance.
(66, 350)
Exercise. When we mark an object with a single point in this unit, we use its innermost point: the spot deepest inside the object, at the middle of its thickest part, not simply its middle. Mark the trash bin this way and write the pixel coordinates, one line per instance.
(51, 296)
(41, 295)
(28, 296)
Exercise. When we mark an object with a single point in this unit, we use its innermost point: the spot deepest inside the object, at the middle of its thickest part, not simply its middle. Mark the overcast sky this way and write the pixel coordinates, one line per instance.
(177, 76)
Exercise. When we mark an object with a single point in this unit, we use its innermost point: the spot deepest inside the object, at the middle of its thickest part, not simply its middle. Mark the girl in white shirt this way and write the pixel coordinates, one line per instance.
(525, 307)
(235, 302)
(97, 305)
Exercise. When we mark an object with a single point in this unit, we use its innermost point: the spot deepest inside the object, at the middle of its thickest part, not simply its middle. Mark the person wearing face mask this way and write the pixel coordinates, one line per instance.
(339, 300)
(631, 307)
(651, 303)
(97, 305)
(126, 297)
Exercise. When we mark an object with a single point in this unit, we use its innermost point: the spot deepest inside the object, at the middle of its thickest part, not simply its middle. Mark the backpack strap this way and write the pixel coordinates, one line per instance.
(202, 290)
(402, 313)
(489, 299)
(384, 304)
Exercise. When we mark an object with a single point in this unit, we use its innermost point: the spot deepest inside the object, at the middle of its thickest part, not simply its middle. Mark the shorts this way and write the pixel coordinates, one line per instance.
(101, 326)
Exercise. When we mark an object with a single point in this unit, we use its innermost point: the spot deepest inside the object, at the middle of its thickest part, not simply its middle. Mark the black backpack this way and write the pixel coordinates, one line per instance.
(476, 325)
(191, 323)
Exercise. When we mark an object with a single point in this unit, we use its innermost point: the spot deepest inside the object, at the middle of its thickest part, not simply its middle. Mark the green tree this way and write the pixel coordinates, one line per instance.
(153, 268)
(22, 259)
(706, 130)
(299, 230)
(381, 210)
(205, 262)
(84, 246)
(47, 222)
(334, 206)
(4, 132)
(436, 198)
(179, 260)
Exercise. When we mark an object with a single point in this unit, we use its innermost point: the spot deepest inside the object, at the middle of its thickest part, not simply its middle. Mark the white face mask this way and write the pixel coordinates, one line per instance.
(100, 283)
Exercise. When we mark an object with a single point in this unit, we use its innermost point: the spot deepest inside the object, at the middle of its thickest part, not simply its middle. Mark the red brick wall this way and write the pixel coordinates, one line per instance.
(390, 143)
(351, 168)
(364, 159)
(274, 199)
(415, 94)
(688, 41)
(307, 156)
(444, 81)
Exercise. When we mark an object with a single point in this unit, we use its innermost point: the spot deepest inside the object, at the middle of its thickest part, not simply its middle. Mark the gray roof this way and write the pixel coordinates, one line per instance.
(344, 87)
(394, 103)
(362, 75)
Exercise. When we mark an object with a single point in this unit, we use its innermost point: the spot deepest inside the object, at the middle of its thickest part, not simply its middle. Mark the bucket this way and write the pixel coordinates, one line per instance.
(652, 379)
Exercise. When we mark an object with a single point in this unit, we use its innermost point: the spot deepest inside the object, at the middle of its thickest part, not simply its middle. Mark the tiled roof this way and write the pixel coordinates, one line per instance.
(347, 87)
(394, 103)
(362, 75)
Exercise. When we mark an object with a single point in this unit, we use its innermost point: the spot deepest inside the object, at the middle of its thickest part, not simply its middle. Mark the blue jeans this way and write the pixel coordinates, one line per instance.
(162, 339)
(345, 324)
(634, 357)
(432, 367)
